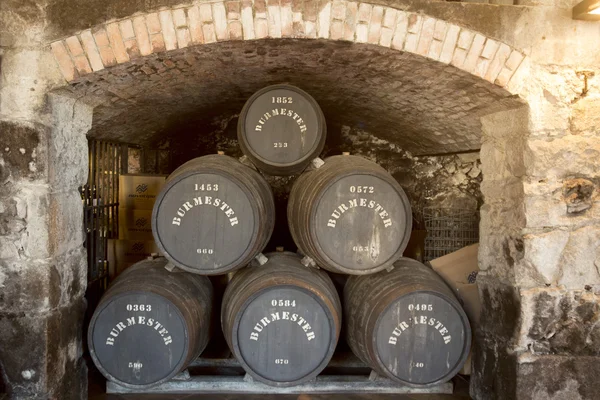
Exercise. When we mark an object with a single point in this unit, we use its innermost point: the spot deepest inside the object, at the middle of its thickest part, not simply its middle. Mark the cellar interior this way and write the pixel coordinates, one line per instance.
(486, 109)
(369, 111)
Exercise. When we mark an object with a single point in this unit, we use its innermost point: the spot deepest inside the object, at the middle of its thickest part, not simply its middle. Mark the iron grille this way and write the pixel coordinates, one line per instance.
(449, 229)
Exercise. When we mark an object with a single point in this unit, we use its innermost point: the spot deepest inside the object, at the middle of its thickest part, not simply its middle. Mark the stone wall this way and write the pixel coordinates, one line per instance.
(539, 229)
(43, 159)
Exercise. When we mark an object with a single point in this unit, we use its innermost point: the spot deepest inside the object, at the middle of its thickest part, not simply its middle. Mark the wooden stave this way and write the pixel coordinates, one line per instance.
(363, 313)
(284, 169)
(194, 307)
(302, 208)
(241, 291)
(251, 182)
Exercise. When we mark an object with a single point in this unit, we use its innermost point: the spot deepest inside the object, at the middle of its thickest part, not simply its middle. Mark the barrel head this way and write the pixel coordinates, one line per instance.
(281, 125)
(204, 222)
(284, 335)
(422, 339)
(361, 223)
(138, 348)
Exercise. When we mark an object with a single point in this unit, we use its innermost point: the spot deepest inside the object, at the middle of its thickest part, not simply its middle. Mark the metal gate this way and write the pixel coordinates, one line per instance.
(100, 198)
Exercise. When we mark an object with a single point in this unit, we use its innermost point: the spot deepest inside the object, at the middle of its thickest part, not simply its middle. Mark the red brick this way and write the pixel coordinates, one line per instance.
(235, 30)
(195, 25)
(168, 30)
(350, 23)
(324, 21)
(106, 52)
(89, 45)
(64, 61)
(179, 18)
(158, 43)
(338, 10)
(337, 30)
(153, 23)
(287, 19)
(375, 25)
(310, 10)
(141, 33)
(233, 9)
(261, 28)
(183, 37)
(116, 42)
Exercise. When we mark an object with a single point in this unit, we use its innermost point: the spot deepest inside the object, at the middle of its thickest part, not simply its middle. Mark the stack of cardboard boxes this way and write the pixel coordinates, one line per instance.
(137, 193)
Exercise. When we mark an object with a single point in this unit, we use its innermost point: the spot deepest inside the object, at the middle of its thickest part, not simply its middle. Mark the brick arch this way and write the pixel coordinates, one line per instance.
(119, 41)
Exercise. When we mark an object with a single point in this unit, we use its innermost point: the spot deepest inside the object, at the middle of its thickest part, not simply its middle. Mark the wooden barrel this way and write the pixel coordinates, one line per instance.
(281, 129)
(213, 215)
(281, 320)
(150, 324)
(350, 216)
(413, 331)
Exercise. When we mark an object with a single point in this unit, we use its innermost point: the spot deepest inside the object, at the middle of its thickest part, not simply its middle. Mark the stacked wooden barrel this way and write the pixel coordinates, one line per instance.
(281, 129)
(281, 316)
(213, 215)
(413, 331)
(150, 324)
(282, 320)
(350, 216)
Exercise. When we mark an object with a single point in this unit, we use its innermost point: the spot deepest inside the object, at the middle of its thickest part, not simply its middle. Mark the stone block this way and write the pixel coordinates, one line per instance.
(67, 147)
(37, 286)
(585, 116)
(542, 258)
(567, 156)
(501, 310)
(65, 221)
(552, 377)
(23, 151)
(41, 353)
(560, 322)
(27, 75)
(494, 370)
(499, 374)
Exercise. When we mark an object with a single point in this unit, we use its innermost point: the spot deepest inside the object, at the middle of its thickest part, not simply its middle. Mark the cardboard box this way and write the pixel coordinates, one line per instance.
(460, 266)
(139, 191)
(124, 253)
(459, 269)
(135, 224)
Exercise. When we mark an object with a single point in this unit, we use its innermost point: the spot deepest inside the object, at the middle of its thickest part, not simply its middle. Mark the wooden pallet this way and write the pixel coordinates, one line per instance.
(326, 383)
